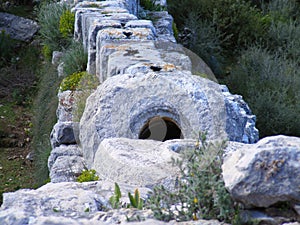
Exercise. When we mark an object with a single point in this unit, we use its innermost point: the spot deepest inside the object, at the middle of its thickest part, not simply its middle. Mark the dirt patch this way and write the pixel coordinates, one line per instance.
(15, 136)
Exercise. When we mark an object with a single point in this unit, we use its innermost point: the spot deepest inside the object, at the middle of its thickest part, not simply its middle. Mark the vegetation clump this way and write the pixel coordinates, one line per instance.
(66, 23)
(71, 82)
(87, 176)
(253, 47)
(49, 17)
(75, 59)
(200, 191)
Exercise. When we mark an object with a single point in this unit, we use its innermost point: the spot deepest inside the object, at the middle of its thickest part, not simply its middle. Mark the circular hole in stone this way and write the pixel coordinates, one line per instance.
(160, 129)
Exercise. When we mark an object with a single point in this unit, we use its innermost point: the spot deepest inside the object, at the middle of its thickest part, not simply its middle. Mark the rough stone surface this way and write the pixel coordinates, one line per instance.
(143, 163)
(66, 168)
(62, 133)
(17, 27)
(93, 31)
(108, 37)
(65, 106)
(240, 122)
(162, 22)
(265, 173)
(63, 150)
(56, 57)
(193, 103)
(70, 203)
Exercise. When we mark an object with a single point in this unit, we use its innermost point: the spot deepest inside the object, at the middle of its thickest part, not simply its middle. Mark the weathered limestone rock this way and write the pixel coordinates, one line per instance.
(240, 124)
(65, 106)
(98, 25)
(265, 173)
(66, 168)
(63, 150)
(63, 200)
(144, 163)
(65, 163)
(56, 57)
(105, 14)
(70, 203)
(141, 24)
(108, 37)
(193, 103)
(17, 27)
(162, 22)
(62, 133)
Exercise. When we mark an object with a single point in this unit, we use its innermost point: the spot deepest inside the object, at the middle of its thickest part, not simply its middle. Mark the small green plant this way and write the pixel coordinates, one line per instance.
(135, 201)
(86, 86)
(47, 52)
(88, 175)
(200, 191)
(115, 199)
(66, 23)
(71, 82)
(49, 16)
(175, 30)
(75, 59)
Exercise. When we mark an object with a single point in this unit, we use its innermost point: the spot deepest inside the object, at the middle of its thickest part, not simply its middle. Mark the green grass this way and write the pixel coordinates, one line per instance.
(14, 172)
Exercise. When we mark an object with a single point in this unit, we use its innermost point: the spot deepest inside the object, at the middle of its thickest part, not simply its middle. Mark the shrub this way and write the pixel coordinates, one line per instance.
(270, 85)
(75, 59)
(47, 52)
(284, 38)
(200, 191)
(66, 23)
(88, 175)
(48, 16)
(86, 86)
(205, 40)
(282, 10)
(238, 21)
(71, 82)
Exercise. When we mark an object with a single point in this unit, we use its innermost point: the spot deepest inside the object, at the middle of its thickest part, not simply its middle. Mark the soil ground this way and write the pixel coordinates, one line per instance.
(15, 170)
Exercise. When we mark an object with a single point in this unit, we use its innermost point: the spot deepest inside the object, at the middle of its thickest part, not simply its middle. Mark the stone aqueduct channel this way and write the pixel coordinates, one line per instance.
(150, 105)
(147, 89)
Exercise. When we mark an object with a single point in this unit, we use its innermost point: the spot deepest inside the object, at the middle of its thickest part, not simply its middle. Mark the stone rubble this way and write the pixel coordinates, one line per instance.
(18, 28)
(265, 173)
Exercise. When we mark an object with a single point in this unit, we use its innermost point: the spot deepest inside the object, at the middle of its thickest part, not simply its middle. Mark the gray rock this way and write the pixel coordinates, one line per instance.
(64, 110)
(60, 69)
(107, 38)
(56, 57)
(71, 203)
(93, 31)
(62, 133)
(240, 122)
(141, 24)
(88, 19)
(192, 103)
(265, 173)
(53, 199)
(17, 27)
(66, 169)
(63, 150)
(144, 163)
(162, 22)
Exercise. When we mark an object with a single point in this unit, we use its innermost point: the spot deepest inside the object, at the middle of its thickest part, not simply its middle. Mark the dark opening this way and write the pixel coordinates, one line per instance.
(160, 129)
